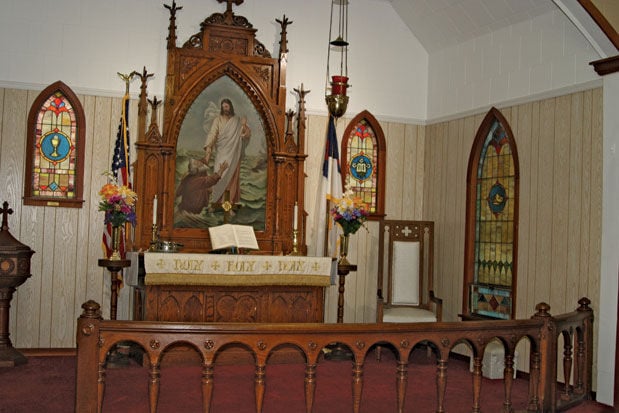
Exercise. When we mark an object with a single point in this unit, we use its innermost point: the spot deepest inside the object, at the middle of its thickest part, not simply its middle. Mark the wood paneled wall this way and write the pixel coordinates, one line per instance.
(66, 241)
(559, 143)
(560, 147)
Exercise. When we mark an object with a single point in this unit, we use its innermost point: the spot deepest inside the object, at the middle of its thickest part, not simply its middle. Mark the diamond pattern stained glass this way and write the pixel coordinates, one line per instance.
(495, 185)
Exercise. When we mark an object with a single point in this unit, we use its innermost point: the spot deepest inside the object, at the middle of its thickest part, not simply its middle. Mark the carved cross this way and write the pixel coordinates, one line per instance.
(5, 211)
(406, 231)
(229, 6)
(226, 206)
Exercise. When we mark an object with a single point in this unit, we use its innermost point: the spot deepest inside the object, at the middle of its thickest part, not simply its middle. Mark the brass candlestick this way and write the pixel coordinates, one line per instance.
(295, 243)
(154, 240)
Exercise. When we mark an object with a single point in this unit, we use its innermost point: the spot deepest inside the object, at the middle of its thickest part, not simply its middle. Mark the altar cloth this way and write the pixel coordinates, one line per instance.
(236, 270)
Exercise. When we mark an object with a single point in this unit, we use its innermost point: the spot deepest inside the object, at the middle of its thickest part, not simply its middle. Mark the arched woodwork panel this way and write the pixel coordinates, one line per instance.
(225, 49)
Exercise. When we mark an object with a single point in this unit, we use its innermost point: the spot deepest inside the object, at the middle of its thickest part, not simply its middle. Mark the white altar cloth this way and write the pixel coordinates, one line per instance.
(241, 270)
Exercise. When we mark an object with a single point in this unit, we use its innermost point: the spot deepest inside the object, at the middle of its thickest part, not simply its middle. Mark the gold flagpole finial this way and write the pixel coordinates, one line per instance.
(126, 79)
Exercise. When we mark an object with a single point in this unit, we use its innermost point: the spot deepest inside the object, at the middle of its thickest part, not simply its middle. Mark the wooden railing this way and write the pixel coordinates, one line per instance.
(96, 337)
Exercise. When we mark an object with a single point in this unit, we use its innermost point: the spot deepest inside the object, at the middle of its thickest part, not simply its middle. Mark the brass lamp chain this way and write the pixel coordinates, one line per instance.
(342, 36)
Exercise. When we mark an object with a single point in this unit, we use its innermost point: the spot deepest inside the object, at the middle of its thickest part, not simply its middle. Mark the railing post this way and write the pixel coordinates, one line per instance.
(87, 359)
(586, 371)
(547, 359)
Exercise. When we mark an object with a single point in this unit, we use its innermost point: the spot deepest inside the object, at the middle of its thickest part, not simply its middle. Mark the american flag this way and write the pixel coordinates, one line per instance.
(120, 169)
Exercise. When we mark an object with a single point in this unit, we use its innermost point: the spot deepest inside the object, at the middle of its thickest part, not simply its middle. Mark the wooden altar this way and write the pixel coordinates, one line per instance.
(235, 288)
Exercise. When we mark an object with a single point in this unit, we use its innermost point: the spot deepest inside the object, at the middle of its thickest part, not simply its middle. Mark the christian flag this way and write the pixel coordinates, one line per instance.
(330, 187)
(120, 169)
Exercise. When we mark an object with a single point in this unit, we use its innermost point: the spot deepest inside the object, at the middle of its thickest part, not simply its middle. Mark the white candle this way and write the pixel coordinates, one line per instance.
(155, 210)
(295, 217)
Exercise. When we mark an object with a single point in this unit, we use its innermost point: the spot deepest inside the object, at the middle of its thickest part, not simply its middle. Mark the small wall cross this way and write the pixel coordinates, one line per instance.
(5, 211)
(406, 231)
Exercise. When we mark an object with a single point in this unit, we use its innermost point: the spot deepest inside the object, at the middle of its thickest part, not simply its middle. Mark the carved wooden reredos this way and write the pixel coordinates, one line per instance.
(225, 52)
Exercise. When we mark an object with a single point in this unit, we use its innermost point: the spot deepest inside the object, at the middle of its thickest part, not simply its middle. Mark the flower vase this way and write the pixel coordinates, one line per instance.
(344, 250)
(115, 255)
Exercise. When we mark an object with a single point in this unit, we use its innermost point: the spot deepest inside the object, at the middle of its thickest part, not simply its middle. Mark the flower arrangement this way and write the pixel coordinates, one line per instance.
(349, 212)
(118, 202)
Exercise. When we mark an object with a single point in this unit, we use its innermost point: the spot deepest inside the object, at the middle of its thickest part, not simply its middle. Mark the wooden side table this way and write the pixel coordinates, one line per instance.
(114, 267)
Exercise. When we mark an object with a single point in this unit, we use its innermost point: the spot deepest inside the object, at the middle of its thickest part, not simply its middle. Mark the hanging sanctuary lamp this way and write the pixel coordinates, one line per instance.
(337, 59)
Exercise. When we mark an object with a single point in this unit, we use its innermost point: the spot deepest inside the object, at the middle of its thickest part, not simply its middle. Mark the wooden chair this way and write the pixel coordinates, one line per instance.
(405, 273)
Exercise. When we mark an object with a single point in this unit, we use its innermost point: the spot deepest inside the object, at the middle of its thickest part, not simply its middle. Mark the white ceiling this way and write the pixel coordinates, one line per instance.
(441, 23)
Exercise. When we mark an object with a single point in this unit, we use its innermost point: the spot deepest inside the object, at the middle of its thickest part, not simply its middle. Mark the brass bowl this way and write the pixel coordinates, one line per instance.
(168, 246)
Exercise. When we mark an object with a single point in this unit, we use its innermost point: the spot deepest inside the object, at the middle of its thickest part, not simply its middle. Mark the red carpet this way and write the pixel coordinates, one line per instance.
(47, 384)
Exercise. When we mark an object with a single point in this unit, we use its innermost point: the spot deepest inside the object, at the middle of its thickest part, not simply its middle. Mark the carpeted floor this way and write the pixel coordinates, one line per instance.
(47, 384)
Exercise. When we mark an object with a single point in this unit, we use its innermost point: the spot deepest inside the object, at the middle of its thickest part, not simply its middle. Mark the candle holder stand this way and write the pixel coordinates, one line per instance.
(154, 240)
(295, 243)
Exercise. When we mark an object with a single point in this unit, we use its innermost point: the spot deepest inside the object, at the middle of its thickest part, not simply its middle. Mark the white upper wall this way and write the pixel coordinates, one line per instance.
(545, 55)
(85, 43)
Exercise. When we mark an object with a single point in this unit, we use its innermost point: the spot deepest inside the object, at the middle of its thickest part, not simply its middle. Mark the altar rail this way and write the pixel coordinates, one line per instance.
(96, 337)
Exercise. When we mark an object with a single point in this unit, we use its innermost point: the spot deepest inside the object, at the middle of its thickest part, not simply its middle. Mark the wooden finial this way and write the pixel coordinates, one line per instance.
(301, 92)
(154, 103)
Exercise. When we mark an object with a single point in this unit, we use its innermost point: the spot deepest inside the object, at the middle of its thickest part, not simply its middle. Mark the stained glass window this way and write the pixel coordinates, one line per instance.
(363, 151)
(493, 185)
(56, 147)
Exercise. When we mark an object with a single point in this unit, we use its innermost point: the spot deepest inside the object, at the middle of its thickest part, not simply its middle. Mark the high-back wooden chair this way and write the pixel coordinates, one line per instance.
(406, 273)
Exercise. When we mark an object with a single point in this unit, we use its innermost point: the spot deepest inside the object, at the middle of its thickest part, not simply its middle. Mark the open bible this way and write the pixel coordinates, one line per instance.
(233, 236)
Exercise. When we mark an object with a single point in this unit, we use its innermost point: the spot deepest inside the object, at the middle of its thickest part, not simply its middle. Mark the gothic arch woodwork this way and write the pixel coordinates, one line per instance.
(223, 55)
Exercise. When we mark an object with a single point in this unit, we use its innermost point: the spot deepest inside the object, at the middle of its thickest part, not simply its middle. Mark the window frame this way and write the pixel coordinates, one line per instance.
(31, 148)
(493, 115)
(380, 166)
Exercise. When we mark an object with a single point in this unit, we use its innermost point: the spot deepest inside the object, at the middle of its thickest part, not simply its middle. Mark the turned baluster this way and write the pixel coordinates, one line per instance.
(154, 375)
(441, 385)
(401, 383)
(357, 386)
(310, 386)
(567, 365)
(259, 386)
(508, 376)
(477, 374)
(207, 385)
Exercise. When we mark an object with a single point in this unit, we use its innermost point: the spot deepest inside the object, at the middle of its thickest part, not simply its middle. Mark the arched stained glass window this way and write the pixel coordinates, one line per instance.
(55, 151)
(363, 156)
(491, 221)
